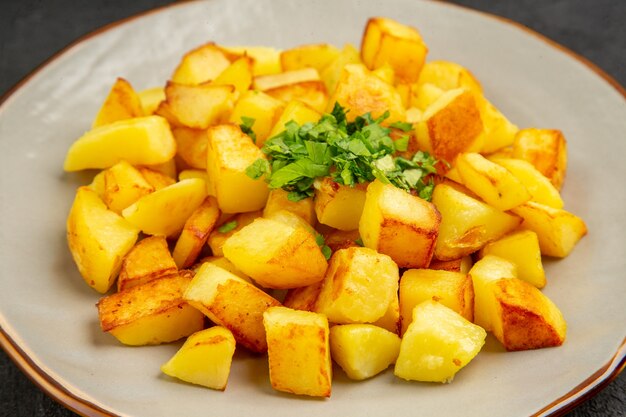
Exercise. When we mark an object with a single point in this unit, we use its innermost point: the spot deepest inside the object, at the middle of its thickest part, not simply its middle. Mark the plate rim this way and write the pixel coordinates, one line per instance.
(76, 403)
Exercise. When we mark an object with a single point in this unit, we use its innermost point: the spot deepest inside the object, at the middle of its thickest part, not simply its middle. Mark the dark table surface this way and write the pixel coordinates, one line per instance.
(33, 30)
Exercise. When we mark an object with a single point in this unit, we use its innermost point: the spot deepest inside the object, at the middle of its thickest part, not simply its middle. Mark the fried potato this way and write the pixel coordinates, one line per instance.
(339, 206)
(317, 56)
(278, 200)
(391, 319)
(198, 106)
(331, 74)
(303, 298)
(151, 98)
(342, 239)
(499, 132)
(313, 93)
(157, 180)
(264, 109)
(447, 75)
(546, 149)
(238, 74)
(462, 265)
(201, 64)
(148, 260)
(218, 237)
(268, 82)
(297, 111)
(123, 185)
(122, 103)
(191, 145)
(266, 60)
(195, 233)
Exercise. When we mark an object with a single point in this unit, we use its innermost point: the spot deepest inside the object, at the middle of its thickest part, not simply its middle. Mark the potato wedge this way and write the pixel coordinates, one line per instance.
(148, 260)
(195, 233)
(122, 103)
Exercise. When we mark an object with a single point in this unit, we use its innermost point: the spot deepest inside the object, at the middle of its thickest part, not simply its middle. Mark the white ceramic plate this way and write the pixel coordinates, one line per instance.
(47, 314)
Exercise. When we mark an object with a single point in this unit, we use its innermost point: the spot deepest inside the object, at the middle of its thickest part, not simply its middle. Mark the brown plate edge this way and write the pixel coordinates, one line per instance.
(582, 392)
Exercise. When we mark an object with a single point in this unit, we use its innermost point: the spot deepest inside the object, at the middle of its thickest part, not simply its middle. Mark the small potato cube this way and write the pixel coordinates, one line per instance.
(400, 225)
(198, 106)
(312, 93)
(540, 188)
(298, 351)
(359, 92)
(200, 65)
(339, 206)
(496, 185)
(122, 103)
(191, 145)
(342, 239)
(167, 168)
(219, 235)
(151, 313)
(278, 200)
(229, 153)
(558, 230)
(546, 149)
(123, 185)
(386, 41)
(423, 95)
(151, 98)
(195, 233)
(467, 224)
(296, 111)
(193, 173)
(264, 109)
(452, 289)
(448, 75)
(224, 263)
(231, 302)
(139, 141)
(265, 60)
(525, 318)
(164, 212)
(522, 249)
(462, 265)
(303, 298)
(276, 254)
(204, 359)
(499, 132)
(98, 239)
(358, 286)
(331, 74)
(292, 219)
(238, 74)
(363, 350)
(451, 125)
(157, 180)
(391, 319)
(268, 82)
(317, 56)
(437, 344)
(97, 184)
(148, 260)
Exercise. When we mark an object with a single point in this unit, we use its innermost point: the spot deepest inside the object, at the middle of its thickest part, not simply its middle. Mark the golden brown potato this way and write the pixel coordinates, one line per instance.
(342, 239)
(266, 60)
(148, 260)
(331, 74)
(278, 200)
(499, 132)
(265, 111)
(231, 302)
(303, 298)
(339, 206)
(391, 319)
(312, 93)
(219, 235)
(462, 265)
(238, 74)
(224, 264)
(400, 225)
(157, 180)
(317, 56)
(123, 185)
(297, 111)
(268, 82)
(151, 98)
(151, 313)
(448, 75)
(546, 149)
(298, 351)
(191, 146)
(195, 233)
(121, 103)
(201, 64)
(198, 106)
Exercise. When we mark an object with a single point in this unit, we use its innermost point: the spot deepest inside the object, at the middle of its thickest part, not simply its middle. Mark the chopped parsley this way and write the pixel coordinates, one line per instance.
(321, 242)
(246, 127)
(227, 227)
(350, 153)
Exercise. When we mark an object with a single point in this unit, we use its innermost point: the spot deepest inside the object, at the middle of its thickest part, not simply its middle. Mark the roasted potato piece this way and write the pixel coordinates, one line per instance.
(297, 111)
(224, 263)
(277, 201)
(148, 260)
(229, 153)
(423, 95)
(219, 235)
(447, 75)
(339, 206)
(268, 82)
(201, 64)
(231, 302)
(386, 41)
(276, 255)
(292, 219)
(123, 185)
(193, 173)
(264, 109)
(204, 359)
(150, 313)
(195, 233)
(498, 131)
(167, 168)
(157, 180)
(98, 239)
(97, 184)
(522, 249)
(496, 185)
(303, 298)
(558, 230)
(466, 223)
(317, 56)
(164, 212)
(452, 289)
(391, 319)
(238, 74)
(400, 225)
(312, 93)
(363, 350)
(437, 344)
(331, 74)
(122, 103)
(358, 286)
(198, 106)
(139, 141)
(191, 145)
(298, 351)
(462, 265)
(266, 60)
(342, 239)
(151, 98)
(546, 149)
(359, 92)
(451, 125)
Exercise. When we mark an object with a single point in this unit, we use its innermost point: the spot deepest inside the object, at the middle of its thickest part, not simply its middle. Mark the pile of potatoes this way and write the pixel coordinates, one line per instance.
(174, 221)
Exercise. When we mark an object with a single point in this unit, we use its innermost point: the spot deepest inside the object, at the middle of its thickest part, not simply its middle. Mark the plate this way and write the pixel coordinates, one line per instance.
(47, 315)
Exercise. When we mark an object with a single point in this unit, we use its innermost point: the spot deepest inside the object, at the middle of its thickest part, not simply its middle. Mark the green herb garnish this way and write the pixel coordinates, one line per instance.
(350, 153)
(227, 227)
(359, 242)
(403, 126)
(321, 242)
(246, 127)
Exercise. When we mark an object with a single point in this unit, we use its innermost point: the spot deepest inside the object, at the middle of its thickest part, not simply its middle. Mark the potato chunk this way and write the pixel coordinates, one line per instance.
(278, 200)
(198, 106)
(98, 239)
(317, 56)
(191, 146)
(276, 255)
(151, 98)
(264, 109)
(546, 149)
(164, 212)
(266, 60)
(238, 74)
(448, 75)
(466, 223)
(139, 141)
(298, 351)
(201, 64)
(499, 132)
(231, 302)
(204, 359)
(296, 111)
(123, 185)
(331, 74)
(437, 344)
(151, 313)
(462, 265)
(148, 260)
(339, 206)
(229, 153)
(496, 185)
(363, 350)
(312, 92)
(452, 289)
(122, 103)
(195, 233)
(558, 230)
(220, 235)
(400, 225)
(386, 41)
(157, 180)
(358, 286)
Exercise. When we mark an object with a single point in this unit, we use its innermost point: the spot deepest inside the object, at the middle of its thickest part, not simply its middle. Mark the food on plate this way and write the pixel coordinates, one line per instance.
(370, 207)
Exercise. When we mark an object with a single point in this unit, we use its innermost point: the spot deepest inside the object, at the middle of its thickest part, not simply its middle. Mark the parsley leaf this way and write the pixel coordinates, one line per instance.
(227, 227)
(258, 168)
(246, 127)
(403, 126)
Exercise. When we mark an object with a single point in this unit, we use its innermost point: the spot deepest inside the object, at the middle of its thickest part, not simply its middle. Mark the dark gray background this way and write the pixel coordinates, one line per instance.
(33, 30)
